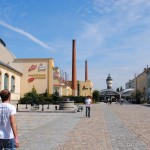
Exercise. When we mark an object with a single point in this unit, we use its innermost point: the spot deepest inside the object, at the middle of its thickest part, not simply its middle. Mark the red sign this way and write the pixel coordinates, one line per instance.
(30, 79)
(33, 67)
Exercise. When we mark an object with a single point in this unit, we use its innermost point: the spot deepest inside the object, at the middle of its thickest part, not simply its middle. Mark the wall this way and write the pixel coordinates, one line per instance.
(148, 86)
(7, 56)
(17, 76)
(141, 81)
(85, 88)
(37, 73)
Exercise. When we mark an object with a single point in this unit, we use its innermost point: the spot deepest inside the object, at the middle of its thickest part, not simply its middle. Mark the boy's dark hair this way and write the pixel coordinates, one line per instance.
(4, 94)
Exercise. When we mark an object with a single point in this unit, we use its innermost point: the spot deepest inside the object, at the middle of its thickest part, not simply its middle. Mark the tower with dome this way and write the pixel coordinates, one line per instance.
(109, 82)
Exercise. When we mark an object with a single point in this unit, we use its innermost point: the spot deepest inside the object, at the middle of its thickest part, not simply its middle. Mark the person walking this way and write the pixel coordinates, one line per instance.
(121, 101)
(8, 128)
(109, 101)
(88, 102)
(32, 105)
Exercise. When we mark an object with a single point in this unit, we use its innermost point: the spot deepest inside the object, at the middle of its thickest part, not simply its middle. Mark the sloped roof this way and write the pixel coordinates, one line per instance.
(108, 92)
(127, 92)
(11, 68)
(2, 42)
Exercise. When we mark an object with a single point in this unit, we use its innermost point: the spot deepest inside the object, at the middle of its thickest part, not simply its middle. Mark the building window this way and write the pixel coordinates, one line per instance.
(12, 84)
(148, 82)
(6, 81)
(78, 91)
(0, 81)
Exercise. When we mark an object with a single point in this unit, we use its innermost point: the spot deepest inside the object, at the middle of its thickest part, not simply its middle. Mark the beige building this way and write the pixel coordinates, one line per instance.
(84, 88)
(10, 77)
(60, 83)
(147, 91)
(130, 84)
(37, 72)
(21, 75)
(141, 81)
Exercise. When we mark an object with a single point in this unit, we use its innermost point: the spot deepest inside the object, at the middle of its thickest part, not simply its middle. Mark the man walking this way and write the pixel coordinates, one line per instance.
(88, 103)
(8, 128)
(121, 101)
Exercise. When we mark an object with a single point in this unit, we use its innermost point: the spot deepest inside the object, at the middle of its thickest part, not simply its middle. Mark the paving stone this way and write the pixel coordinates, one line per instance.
(112, 127)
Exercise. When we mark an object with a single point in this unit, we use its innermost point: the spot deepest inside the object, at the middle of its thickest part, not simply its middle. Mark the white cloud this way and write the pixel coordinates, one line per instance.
(28, 35)
(111, 6)
(113, 35)
(119, 37)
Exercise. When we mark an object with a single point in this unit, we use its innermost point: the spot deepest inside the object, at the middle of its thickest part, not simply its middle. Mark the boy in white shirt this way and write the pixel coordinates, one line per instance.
(88, 103)
(8, 128)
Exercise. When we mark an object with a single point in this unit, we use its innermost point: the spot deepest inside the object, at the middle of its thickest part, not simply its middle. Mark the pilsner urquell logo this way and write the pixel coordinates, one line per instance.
(42, 67)
(30, 79)
(33, 67)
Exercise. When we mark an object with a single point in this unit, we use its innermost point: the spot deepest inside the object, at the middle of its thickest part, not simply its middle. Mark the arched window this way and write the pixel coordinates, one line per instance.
(6, 81)
(0, 81)
(12, 84)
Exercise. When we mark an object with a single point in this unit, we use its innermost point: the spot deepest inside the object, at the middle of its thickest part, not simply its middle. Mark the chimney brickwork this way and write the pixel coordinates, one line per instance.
(74, 77)
(86, 71)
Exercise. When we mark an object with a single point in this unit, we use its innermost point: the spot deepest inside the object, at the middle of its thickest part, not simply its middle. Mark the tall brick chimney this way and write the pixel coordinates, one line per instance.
(86, 71)
(74, 77)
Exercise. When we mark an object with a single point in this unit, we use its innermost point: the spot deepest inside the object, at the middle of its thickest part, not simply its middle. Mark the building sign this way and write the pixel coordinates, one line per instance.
(30, 79)
(42, 67)
(37, 76)
(33, 67)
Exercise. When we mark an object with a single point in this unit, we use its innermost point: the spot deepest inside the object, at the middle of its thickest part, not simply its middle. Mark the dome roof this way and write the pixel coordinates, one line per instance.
(109, 78)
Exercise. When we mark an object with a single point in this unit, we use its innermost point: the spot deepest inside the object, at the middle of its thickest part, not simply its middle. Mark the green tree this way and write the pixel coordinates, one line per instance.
(121, 89)
(117, 90)
(33, 90)
(30, 97)
(55, 97)
(96, 95)
(136, 96)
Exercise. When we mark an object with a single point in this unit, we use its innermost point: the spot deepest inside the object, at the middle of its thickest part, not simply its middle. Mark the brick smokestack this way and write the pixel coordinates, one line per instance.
(86, 71)
(74, 77)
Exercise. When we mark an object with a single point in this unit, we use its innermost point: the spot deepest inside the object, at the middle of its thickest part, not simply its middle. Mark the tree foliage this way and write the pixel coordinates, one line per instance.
(117, 90)
(136, 96)
(34, 97)
(121, 89)
(96, 95)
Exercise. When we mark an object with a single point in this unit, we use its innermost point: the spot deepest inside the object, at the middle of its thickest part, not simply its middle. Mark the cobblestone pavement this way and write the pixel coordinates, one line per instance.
(44, 130)
(112, 127)
(136, 119)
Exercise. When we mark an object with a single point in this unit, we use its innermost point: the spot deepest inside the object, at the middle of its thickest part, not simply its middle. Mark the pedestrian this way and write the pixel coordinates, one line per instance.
(32, 105)
(121, 101)
(116, 100)
(109, 101)
(8, 128)
(88, 102)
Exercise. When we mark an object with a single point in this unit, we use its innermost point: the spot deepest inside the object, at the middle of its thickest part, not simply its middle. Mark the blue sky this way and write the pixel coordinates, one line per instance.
(112, 35)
